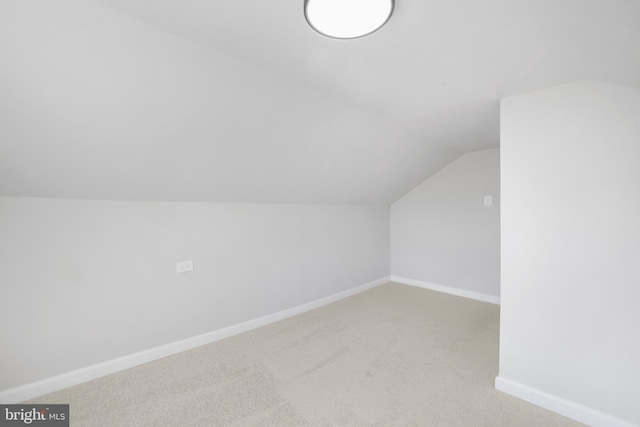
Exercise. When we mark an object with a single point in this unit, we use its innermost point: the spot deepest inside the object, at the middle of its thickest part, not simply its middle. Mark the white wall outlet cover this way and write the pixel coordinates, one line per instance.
(184, 266)
(488, 200)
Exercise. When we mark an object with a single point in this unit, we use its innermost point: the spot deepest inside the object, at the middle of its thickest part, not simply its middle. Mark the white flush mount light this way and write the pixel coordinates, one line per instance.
(347, 19)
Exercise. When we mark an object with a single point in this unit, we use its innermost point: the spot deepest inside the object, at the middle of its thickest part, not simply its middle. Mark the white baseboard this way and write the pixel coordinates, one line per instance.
(569, 409)
(78, 376)
(447, 290)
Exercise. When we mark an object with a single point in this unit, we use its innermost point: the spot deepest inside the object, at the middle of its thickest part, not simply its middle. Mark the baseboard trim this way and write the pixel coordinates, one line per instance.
(447, 290)
(78, 376)
(567, 408)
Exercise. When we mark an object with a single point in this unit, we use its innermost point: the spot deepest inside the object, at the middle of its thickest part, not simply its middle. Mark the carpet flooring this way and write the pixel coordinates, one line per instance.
(394, 355)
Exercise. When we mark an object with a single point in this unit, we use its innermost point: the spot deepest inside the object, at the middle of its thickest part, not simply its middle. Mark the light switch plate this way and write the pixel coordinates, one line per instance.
(488, 200)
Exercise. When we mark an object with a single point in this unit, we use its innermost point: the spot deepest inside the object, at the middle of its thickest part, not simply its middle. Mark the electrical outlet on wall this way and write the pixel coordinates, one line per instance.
(184, 266)
(488, 200)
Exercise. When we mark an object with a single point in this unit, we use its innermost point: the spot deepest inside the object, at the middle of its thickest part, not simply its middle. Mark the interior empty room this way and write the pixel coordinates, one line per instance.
(271, 214)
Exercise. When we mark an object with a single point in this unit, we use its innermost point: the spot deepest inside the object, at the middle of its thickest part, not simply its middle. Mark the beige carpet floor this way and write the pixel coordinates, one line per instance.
(392, 356)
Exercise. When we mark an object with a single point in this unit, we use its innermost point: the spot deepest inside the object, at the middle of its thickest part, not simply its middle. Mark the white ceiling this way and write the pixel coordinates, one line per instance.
(240, 101)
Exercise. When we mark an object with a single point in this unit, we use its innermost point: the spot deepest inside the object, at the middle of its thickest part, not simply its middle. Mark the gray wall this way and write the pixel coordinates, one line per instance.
(441, 232)
(570, 313)
(89, 281)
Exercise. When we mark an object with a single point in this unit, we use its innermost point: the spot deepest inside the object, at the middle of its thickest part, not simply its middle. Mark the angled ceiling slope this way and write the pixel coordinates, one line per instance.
(196, 100)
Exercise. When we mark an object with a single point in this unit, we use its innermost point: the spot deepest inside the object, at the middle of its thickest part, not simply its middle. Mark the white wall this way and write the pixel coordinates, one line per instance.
(142, 114)
(570, 313)
(441, 232)
(84, 282)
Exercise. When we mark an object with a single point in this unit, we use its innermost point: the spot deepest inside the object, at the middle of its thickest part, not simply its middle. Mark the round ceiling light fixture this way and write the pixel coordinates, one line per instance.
(347, 19)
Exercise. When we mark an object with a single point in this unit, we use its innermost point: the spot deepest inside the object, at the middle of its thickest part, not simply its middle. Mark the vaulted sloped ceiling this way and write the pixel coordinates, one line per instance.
(240, 101)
